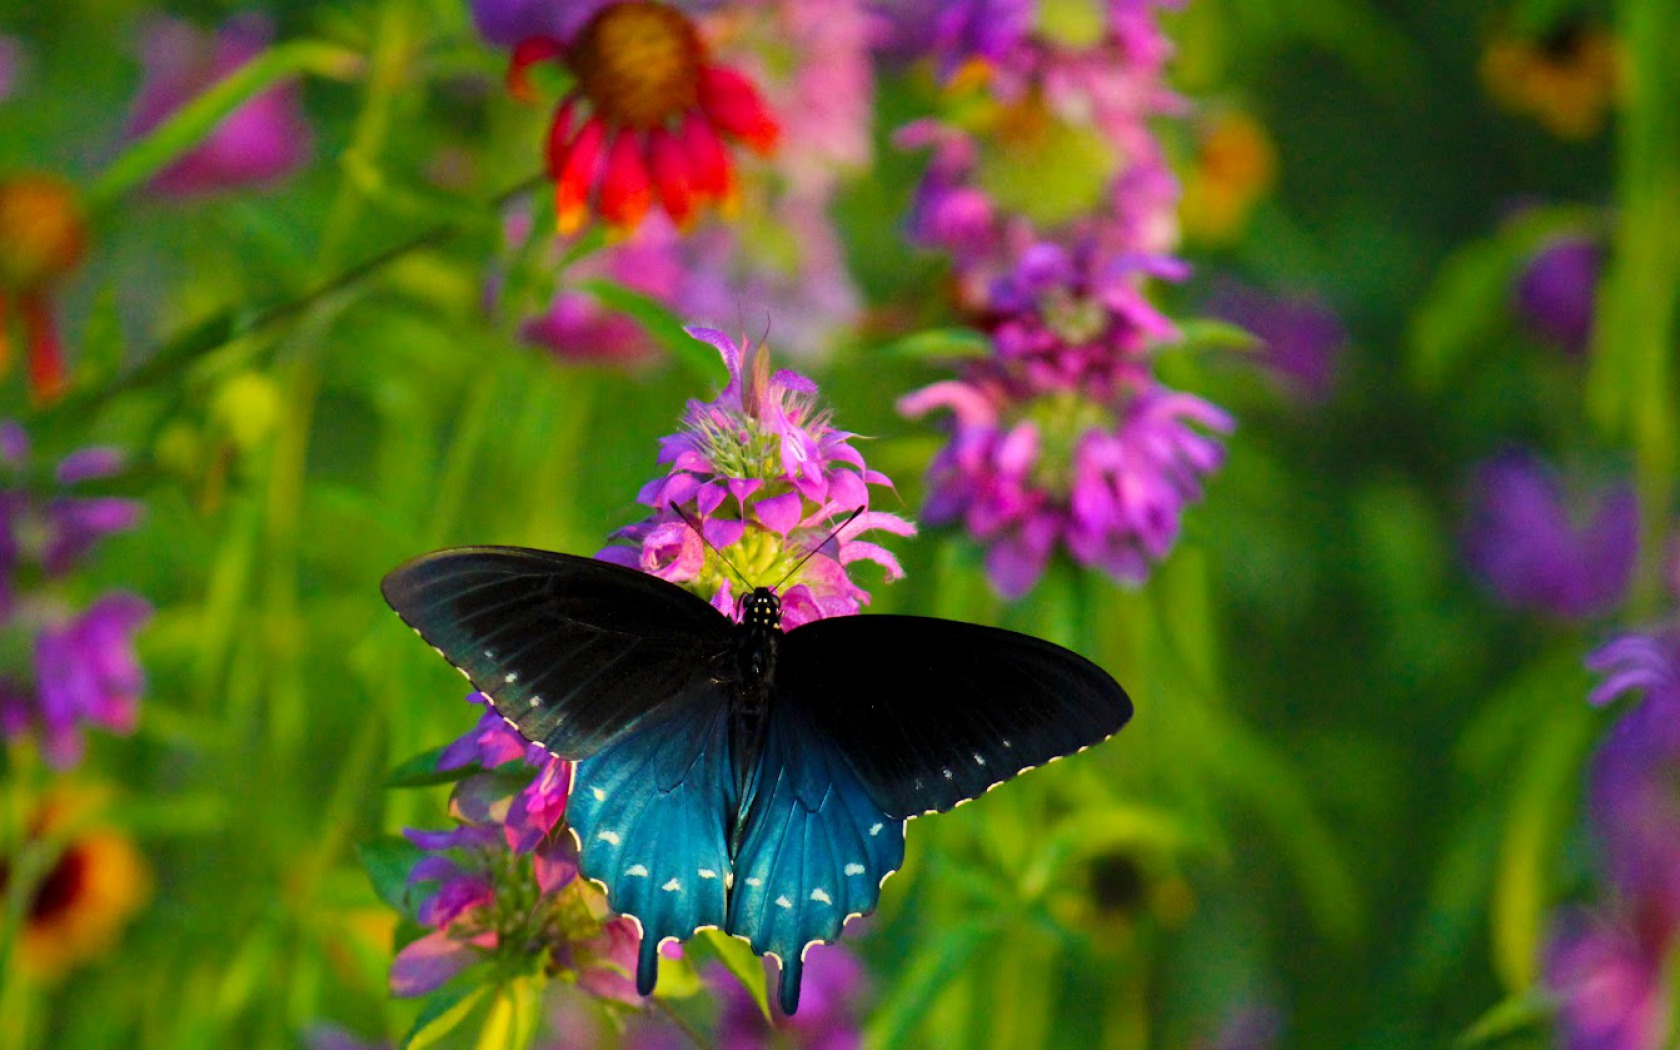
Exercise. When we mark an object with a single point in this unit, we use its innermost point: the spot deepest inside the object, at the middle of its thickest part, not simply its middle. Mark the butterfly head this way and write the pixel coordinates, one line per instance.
(761, 608)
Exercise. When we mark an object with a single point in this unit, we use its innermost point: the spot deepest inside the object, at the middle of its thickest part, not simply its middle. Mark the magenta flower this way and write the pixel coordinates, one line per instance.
(1063, 439)
(79, 668)
(1570, 556)
(1607, 978)
(829, 1017)
(261, 142)
(1556, 294)
(766, 478)
(1300, 337)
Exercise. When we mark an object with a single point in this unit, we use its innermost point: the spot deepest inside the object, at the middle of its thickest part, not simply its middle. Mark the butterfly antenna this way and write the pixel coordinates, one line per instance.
(698, 531)
(813, 551)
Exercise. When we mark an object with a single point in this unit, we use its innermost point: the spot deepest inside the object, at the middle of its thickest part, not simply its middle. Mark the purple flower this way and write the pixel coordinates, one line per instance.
(766, 478)
(505, 23)
(1533, 553)
(1555, 297)
(1608, 980)
(538, 807)
(81, 668)
(828, 1018)
(1634, 805)
(259, 143)
(1302, 338)
(1063, 438)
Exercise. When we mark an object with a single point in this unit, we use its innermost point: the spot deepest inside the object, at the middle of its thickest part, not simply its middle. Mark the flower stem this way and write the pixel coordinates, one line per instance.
(1631, 388)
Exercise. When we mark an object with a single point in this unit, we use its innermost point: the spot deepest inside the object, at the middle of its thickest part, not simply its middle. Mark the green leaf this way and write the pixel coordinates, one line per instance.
(422, 771)
(1513, 1016)
(1540, 808)
(515, 1016)
(927, 975)
(737, 957)
(387, 861)
(664, 326)
(939, 344)
(1206, 334)
(444, 1012)
(193, 121)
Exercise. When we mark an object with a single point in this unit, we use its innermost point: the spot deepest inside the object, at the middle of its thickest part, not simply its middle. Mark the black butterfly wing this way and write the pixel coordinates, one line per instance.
(572, 651)
(931, 713)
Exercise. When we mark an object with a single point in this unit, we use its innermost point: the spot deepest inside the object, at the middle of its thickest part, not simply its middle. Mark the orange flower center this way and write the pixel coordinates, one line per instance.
(639, 63)
(42, 233)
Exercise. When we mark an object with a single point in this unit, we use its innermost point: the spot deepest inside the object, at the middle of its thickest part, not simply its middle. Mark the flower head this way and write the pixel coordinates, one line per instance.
(1607, 978)
(765, 478)
(262, 141)
(43, 237)
(1063, 439)
(646, 117)
(91, 891)
(80, 668)
(1533, 552)
(1566, 80)
(1556, 294)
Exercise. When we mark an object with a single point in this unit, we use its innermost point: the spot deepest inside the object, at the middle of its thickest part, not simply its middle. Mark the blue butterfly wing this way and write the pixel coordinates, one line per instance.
(815, 849)
(649, 812)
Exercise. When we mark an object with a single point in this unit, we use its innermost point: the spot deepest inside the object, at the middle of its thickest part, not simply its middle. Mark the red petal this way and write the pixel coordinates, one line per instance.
(626, 191)
(46, 355)
(709, 172)
(670, 164)
(734, 105)
(558, 133)
(527, 53)
(577, 178)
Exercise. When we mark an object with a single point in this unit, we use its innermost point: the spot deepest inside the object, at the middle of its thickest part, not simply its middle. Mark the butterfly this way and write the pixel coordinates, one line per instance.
(729, 774)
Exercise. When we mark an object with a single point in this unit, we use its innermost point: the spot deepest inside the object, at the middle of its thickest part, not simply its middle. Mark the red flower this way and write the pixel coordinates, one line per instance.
(646, 118)
(42, 240)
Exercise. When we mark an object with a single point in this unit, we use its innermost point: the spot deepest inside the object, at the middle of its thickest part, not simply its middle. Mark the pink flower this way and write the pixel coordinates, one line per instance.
(765, 478)
(261, 142)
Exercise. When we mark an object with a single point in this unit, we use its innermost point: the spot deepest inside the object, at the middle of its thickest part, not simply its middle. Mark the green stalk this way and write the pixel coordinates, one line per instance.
(1631, 395)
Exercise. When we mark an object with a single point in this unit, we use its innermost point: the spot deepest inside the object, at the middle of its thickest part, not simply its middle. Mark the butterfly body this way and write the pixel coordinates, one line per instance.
(733, 775)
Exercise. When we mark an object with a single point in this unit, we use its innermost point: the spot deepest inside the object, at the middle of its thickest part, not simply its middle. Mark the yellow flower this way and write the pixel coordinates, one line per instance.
(1566, 81)
(1234, 169)
(94, 887)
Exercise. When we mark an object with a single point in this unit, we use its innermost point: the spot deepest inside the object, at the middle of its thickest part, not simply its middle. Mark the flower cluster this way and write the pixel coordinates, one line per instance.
(1058, 211)
(43, 237)
(1063, 439)
(1537, 548)
(501, 881)
(262, 141)
(1301, 338)
(646, 116)
(1608, 965)
(1556, 295)
(779, 250)
(86, 895)
(68, 667)
(758, 482)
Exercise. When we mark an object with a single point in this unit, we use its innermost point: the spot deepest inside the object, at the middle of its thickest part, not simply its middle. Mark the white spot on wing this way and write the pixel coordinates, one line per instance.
(611, 838)
(783, 902)
(821, 896)
(707, 873)
(876, 830)
(638, 870)
(600, 796)
(948, 774)
(979, 759)
(754, 880)
(536, 701)
(672, 886)
(510, 678)
(854, 869)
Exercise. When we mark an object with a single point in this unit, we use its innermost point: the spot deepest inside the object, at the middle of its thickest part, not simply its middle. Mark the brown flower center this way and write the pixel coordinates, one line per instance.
(638, 62)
